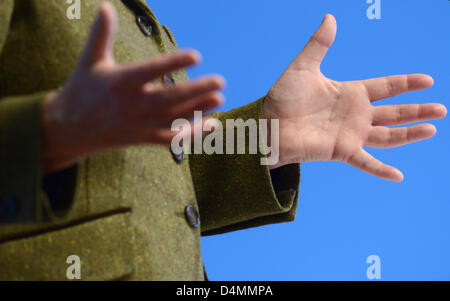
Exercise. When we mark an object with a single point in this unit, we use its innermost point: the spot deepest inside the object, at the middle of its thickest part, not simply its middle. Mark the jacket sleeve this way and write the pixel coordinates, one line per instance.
(21, 197)
(236, 192)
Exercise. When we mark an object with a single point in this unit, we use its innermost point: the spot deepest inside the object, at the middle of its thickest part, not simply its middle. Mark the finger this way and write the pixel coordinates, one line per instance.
(100, 43)
(178, 135)
(137, 74)
(410, 113)
(383, 137)
(189, 110)
(365, 162)
(315, 50)
(202, 103)
(389, 86)
(163, 98)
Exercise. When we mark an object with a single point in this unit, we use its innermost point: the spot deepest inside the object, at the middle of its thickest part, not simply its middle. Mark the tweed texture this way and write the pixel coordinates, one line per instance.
(125, 217)
(245, 198)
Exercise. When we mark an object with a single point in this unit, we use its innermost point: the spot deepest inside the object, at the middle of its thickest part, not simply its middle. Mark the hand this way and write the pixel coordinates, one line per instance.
(105, 105)
(322, 119)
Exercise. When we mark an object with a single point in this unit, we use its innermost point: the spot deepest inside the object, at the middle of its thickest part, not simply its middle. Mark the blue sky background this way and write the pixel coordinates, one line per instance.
(344, 215)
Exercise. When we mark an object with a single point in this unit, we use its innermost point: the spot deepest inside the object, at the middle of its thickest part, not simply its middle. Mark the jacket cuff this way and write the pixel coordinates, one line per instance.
(236, 192)
(22, 198)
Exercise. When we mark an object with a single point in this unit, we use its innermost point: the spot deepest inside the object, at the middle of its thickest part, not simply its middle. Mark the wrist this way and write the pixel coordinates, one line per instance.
(57, 152)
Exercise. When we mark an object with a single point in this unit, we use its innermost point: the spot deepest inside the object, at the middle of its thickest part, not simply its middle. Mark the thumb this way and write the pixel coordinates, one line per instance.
(100, 44)
(312, 55)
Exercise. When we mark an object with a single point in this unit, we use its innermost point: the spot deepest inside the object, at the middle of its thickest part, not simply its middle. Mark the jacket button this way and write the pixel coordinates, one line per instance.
(8, 208)
(144, 25)
(192, 216)
(168, 80)
(178, 158)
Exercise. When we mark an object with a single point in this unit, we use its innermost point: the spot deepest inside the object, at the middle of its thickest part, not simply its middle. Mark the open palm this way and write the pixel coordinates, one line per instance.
(321, 119)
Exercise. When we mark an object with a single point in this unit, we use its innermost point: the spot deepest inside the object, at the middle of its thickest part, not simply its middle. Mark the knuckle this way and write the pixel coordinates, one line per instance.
(389, 86)
(398, 113)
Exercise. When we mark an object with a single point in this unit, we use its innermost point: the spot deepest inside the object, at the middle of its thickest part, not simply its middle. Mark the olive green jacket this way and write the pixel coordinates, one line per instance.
(123, 211)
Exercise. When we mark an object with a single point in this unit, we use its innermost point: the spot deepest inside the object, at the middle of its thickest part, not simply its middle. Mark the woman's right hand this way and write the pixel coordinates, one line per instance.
(105, 105)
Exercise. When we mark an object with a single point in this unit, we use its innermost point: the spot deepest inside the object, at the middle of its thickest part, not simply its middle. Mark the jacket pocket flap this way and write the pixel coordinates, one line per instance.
(104, 247)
